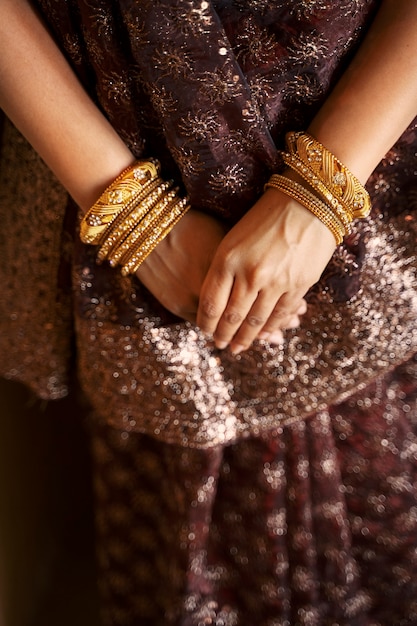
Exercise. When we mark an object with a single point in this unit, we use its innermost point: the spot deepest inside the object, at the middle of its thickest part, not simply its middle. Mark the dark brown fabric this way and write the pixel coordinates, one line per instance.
(315, 525)
(298, 522)
(210, 89)
(35, 276)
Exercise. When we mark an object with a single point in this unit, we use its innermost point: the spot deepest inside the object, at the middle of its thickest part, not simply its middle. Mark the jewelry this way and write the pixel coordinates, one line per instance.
(129, 187)
(129, 219)
(161, 230)
(310, 177)
(132, 216)
(311, 202)
(338, 179)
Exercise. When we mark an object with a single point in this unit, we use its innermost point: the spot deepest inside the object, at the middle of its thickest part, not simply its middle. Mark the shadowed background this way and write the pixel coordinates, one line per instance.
(47, 573)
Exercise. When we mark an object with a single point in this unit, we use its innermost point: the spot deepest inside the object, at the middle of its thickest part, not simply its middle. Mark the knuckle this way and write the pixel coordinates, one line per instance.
(233, 317)
(300, 283)
(256, 276)
(209, 309)
(254, 321)
(226, 261)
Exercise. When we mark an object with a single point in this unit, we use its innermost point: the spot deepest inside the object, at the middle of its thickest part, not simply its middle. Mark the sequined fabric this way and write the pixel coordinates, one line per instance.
(162, 377)
(277, 488)
(215, 121)
(313, 525)
(35, 255)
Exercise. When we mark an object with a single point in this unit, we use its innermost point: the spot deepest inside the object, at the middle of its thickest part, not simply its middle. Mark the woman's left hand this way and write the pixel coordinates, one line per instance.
(261, 271)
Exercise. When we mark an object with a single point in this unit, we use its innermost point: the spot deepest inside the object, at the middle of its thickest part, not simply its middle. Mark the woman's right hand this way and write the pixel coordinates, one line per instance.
(262, 270)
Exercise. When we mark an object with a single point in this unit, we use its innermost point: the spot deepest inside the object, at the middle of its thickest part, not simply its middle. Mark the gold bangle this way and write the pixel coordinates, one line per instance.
(166, 224)
(317, 184)
(152, 228)
(336, 176)
(140, 230)
(132, 216)
(310, 202)
(129, 219)
(131, 184)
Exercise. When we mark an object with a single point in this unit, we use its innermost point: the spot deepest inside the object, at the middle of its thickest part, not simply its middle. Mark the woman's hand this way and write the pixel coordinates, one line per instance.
(176, 268)
(175, 271)
(261, 271)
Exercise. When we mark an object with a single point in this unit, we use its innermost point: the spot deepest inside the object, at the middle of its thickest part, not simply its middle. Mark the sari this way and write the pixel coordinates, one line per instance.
(273, 487)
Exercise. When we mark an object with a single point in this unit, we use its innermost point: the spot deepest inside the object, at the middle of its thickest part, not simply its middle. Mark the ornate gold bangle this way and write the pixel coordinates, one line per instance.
(317, 184)
(129, 218)
(132, 216)
(310, 202)
(132, 184)
(141, 229)
(337, 177)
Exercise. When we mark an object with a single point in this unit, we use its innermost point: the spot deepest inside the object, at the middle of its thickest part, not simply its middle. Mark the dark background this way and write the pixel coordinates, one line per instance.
(47, 575)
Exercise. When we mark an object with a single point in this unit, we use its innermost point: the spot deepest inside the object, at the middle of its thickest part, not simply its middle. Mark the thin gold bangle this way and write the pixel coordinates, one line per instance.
(125, 224)
(164, 227)
(310, 202)
(310, 177)
(141, 230)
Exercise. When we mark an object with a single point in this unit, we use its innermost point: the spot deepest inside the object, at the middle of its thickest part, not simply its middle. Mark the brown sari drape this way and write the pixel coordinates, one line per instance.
(308, 516)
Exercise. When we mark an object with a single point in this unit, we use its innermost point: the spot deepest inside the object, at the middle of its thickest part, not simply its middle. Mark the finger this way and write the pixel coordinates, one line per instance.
(302, 308)
(188, 316)
(288, 308)
(293, 322)
(214, 297)
(235, 314)
(252, 324)
(276, 338)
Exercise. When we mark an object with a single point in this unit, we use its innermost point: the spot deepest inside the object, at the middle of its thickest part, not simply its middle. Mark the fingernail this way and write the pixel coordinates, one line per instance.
(276, 339)
(221, 345)
(264, 335)
(237, 349)
(294, 323)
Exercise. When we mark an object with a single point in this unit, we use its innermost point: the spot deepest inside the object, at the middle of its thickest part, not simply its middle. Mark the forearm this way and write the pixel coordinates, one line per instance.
(43, 97)
(376, 99)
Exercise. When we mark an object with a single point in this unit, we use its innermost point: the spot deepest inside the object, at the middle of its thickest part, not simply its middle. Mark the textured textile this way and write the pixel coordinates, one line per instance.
(35, 274)
(215, 121)
(314, 525)
(210, 88)
(218, 501)
(153, 374)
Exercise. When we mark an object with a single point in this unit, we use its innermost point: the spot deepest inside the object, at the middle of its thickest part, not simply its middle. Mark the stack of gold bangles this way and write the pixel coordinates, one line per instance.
(132, 216)
(332, 193)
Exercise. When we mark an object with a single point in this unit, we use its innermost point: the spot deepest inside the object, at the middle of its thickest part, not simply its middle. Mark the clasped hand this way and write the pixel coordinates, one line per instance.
(246, 283)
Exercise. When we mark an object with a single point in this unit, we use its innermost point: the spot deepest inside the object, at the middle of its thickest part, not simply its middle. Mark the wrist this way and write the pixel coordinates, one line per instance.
(101, 173)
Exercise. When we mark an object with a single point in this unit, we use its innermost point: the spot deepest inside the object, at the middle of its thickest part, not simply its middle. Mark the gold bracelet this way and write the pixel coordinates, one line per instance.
(140, 230)
(129, 218)
(310, 202)
(317, 184)
(132, 216)
(336, 176)
(132, 184)
(167, 223)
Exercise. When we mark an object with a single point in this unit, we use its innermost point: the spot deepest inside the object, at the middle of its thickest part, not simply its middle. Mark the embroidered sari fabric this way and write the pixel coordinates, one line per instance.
(314, 524)
(210, 88)
(275, 488)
